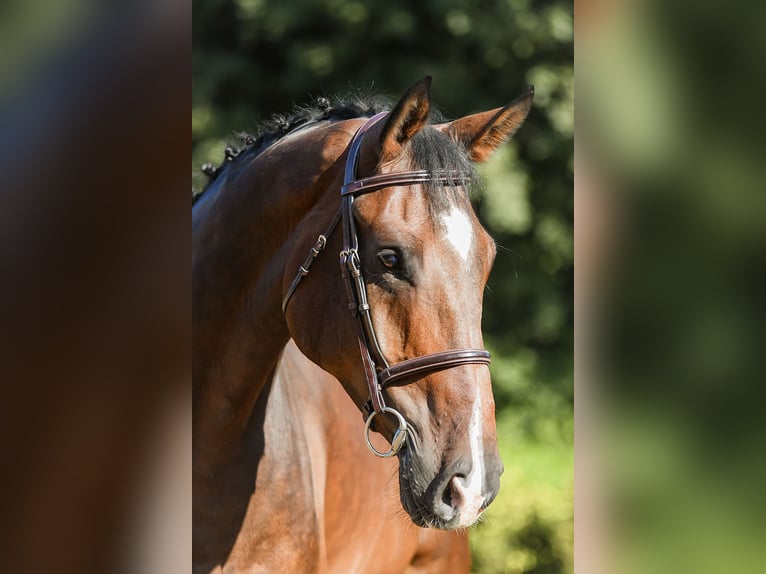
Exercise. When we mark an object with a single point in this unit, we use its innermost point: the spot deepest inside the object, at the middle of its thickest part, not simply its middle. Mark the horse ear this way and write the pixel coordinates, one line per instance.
(484, 132)
(408, 117)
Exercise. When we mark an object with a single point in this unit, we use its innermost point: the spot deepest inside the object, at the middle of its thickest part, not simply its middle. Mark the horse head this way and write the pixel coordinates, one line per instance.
(423, 260)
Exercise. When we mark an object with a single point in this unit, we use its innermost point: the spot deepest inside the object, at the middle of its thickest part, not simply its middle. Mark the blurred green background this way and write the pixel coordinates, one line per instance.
(669, 119)
(255, 58)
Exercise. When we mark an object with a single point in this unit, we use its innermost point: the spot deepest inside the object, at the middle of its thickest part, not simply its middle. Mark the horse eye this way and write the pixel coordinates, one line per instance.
(389, 258)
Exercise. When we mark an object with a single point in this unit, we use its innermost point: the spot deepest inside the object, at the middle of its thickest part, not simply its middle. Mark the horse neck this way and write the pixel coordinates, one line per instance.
(242, 234)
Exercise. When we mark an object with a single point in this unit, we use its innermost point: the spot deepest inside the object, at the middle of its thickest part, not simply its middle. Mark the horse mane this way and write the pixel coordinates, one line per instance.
(431, 149)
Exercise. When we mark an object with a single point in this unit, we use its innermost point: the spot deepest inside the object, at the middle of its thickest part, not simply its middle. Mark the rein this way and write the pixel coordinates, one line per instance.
(378, 373)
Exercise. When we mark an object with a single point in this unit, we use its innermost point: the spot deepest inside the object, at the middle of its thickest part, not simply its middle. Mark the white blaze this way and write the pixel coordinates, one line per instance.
(473, 483)
(459, 231)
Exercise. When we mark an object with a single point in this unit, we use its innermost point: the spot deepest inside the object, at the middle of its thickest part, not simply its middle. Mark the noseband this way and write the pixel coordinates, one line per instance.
(378, 373)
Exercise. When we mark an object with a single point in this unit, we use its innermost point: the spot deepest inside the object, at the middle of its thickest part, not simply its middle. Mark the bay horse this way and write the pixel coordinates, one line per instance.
(288, 349)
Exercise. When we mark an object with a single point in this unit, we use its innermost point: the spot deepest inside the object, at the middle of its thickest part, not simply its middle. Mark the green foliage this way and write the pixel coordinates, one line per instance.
(253, 58)
(529, 526)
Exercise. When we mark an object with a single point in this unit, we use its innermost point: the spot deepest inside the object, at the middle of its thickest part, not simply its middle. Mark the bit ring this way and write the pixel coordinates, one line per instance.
(397, 441)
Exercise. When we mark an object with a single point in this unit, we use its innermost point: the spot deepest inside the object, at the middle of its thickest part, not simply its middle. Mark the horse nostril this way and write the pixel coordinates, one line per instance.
(447, 495)
(457, 491)
(452, 497)
(449, 501)
(460, 499)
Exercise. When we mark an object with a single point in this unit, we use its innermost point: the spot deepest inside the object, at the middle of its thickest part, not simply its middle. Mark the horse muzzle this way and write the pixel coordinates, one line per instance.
(454, 498)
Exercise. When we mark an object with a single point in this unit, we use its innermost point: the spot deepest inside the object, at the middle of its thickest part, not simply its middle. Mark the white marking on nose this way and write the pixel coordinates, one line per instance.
(469, 493)
(459, 231)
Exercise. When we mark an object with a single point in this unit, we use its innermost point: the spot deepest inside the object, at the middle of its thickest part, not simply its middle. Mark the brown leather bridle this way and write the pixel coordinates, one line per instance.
(378, 373)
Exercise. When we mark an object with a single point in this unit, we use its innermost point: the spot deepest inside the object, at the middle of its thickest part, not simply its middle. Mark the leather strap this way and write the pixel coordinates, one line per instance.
(351, 269)
(376, 182)
(427, 364)
(304, 269)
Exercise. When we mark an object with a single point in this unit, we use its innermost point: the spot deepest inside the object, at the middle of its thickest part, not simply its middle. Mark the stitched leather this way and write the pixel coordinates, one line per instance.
(427, 364)
(376, 182)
